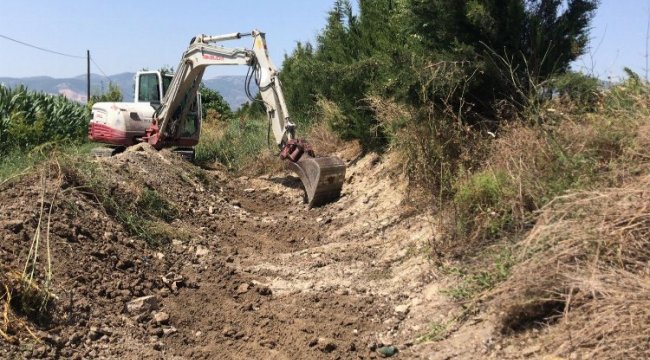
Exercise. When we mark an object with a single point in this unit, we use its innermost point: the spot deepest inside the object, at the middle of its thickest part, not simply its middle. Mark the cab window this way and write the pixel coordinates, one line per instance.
(166, 81)
(148, 88)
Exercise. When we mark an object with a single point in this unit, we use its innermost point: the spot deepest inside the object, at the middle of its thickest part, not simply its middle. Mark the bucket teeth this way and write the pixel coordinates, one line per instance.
(322, 178)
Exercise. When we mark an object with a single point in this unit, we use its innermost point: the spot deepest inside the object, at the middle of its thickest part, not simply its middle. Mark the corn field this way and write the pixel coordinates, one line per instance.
(29, 118)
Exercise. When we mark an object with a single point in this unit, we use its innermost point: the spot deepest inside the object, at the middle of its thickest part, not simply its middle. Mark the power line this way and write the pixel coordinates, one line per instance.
(42, 49)
(100, 69)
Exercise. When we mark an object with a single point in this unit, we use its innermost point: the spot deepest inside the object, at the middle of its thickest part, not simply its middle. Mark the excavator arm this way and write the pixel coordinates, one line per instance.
(322, 177)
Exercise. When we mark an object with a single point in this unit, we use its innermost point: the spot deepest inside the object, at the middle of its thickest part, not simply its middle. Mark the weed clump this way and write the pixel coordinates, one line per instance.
(482, 203)
(22, 298)
(232, 142)
(140, 217)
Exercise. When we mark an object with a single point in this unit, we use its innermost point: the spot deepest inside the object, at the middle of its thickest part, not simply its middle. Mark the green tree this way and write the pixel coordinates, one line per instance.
(114, 94)
(514, 44)
(252, 109)
(212, 100)
(454, 55)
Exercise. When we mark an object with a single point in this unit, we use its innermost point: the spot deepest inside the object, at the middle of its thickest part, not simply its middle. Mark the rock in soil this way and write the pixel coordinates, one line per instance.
(143, 304)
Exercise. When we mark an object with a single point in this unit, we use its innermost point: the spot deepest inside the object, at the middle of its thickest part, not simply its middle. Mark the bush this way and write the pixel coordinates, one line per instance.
(577, 91)
(213, 101)
(114, 94)
(629, 99)
(232, 143)
(483, 203)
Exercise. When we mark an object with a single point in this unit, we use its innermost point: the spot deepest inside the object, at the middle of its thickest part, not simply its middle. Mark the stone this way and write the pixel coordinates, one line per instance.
(94, 334)
(249, 190)
(13, 225)
(202, 251)
(143, 304)
(173, 281)
(402, 310)
(228, 332)
(387, 351)
(264, 291)
(268, 343)
(155, 331)
(325, 345)
(161, 318)
(125, 264)
(75, 338)
(531, 350)
(243, 288)
(169, 331)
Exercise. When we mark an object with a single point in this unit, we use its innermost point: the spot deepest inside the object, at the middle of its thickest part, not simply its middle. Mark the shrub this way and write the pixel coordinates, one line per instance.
(483, 203)
(232, 142)
(577, 91)
(213, 101)
(114, 94)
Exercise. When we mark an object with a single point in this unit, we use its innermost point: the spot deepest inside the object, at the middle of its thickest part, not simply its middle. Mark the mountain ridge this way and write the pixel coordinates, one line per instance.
(231, 87)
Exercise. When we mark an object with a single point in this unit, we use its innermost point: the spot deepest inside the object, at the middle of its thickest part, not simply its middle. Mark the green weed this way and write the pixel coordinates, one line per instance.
(140, 218)
(151, 204)
(475, 281)
(437, 331)
(232, 142)
(483, 204)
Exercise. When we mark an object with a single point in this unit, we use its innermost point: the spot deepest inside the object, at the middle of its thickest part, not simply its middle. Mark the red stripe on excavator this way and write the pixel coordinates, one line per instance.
(106, 134)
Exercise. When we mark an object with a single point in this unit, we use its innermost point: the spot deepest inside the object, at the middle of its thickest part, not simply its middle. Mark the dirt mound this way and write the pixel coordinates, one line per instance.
(152, 257)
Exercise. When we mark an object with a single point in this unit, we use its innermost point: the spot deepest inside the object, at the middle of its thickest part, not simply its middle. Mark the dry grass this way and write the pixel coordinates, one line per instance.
(584, 268)
(18, 296)
(323, 140)
(265, 162)
(435, 147)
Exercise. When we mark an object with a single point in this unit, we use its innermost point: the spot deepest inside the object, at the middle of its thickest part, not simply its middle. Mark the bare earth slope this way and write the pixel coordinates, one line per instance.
(250, 272)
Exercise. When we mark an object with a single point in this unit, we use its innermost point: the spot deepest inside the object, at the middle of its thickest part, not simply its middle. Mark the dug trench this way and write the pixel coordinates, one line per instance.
(143, 255)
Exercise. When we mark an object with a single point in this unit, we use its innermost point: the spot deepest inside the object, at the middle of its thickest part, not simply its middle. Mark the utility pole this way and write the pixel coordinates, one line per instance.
(647, 38)
(87, 76)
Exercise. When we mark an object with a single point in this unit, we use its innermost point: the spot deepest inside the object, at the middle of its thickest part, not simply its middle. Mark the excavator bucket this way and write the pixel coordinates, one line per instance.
(322, 178)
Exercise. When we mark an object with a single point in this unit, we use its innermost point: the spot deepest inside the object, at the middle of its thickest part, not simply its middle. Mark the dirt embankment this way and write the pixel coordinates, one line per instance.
(243, 269)
(249, 271)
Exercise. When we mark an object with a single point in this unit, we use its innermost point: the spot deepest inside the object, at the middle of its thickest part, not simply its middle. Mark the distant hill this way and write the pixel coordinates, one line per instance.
(230, 87)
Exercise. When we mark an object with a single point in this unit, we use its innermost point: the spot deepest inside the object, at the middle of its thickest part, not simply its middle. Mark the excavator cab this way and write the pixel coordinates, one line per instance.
(148, 87)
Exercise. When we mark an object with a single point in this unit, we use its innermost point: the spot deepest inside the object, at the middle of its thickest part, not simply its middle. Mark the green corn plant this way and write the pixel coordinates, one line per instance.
(28, 119)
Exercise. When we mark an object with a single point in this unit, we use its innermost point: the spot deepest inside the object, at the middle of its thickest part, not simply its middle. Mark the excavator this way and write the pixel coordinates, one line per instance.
(166, 113)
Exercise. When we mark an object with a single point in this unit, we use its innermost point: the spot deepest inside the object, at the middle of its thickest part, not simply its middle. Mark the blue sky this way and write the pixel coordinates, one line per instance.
(129, 35)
